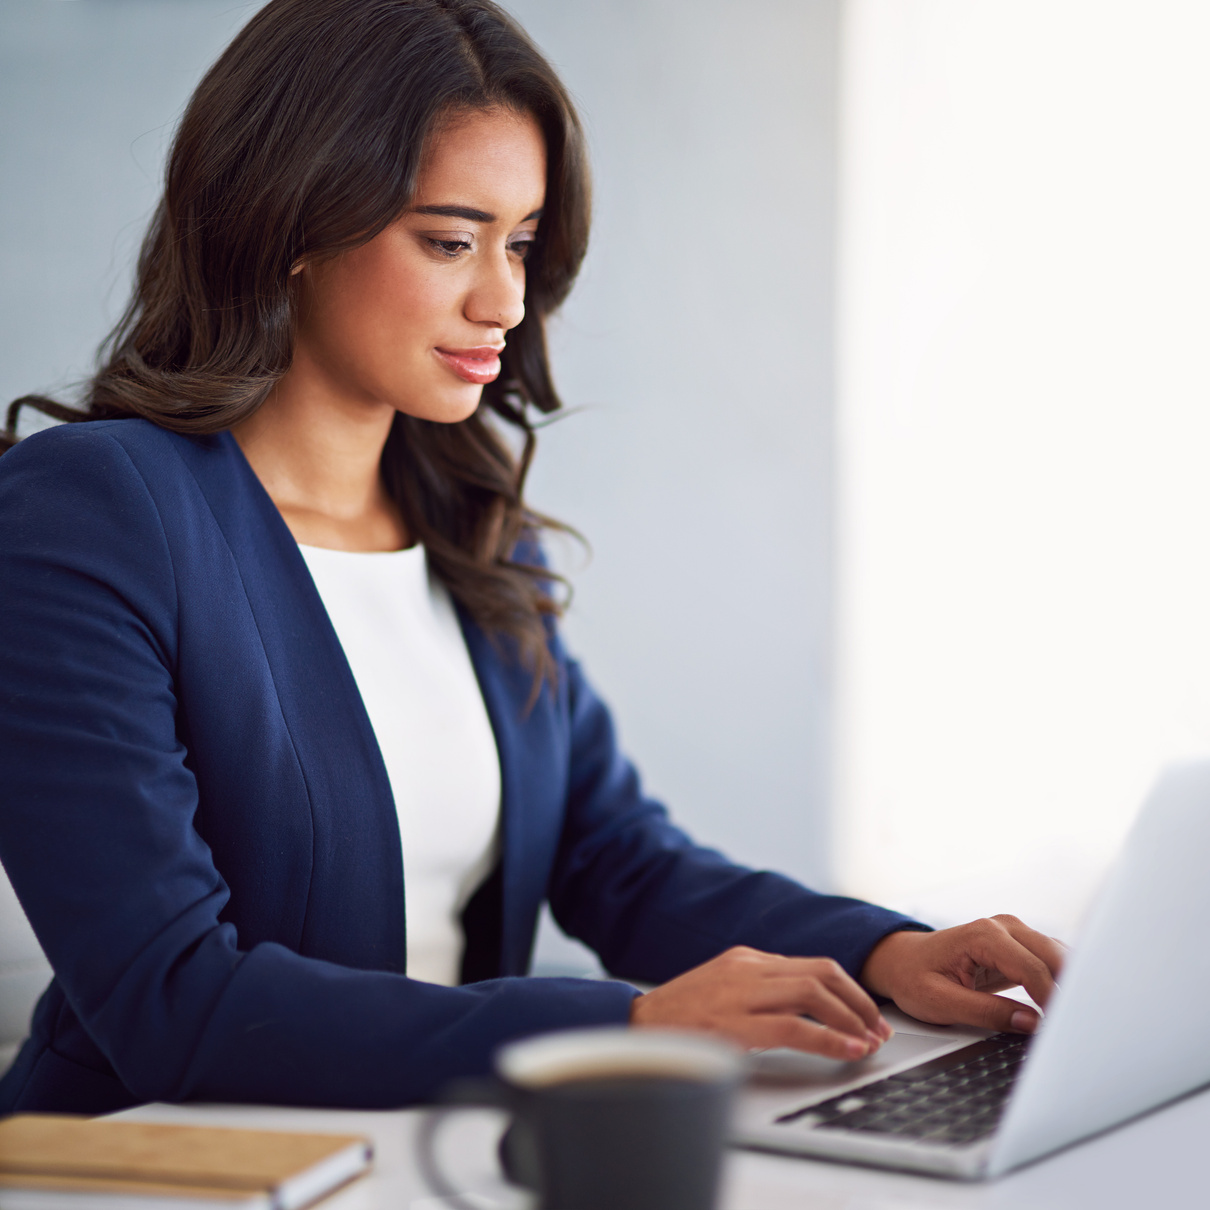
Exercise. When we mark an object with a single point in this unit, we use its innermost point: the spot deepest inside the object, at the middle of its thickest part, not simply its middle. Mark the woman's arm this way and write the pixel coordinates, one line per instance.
(97, 834)
(652, 903)
(764, 950)
(739, 952)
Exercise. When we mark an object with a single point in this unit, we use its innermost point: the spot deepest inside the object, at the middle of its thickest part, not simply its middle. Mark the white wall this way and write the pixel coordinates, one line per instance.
(698, 345)
(1025, 425)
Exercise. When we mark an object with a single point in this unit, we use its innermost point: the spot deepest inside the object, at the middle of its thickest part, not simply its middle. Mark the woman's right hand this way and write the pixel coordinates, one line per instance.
(759, 1000)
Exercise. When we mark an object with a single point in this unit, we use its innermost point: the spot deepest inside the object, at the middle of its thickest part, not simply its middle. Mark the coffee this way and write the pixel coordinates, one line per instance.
(613, 1119)
(613, 1054)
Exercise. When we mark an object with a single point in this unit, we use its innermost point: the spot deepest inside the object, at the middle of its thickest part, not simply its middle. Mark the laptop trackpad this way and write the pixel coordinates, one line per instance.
(809, 1072)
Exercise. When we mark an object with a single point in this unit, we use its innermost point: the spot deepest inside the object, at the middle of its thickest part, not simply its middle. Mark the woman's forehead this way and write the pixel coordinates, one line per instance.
(490, 160)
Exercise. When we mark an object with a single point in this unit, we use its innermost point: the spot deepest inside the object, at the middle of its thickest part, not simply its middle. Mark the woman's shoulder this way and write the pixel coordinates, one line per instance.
(72, 482)
(62, 444)
(84, 464)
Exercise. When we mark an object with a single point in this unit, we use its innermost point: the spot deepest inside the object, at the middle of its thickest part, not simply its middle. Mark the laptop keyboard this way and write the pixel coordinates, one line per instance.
(957, 1098)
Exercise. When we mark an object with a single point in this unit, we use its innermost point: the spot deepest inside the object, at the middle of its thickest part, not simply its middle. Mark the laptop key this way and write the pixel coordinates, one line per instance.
(958, 1098)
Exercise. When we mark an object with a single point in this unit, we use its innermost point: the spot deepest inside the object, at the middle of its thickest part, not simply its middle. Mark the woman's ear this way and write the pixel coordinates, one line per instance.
(298, 268)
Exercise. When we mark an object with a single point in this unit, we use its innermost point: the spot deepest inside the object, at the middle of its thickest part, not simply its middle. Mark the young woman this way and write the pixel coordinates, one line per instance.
(291, 750)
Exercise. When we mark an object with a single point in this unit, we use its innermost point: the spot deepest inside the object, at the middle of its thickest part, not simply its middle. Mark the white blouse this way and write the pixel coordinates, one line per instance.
(401, 637)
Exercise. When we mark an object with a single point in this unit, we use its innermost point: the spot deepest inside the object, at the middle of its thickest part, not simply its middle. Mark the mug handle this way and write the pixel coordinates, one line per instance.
(462, 1094)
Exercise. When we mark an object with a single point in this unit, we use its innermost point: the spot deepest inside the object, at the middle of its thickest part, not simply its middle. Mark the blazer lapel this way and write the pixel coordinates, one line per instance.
(355, 909)
(533, 762)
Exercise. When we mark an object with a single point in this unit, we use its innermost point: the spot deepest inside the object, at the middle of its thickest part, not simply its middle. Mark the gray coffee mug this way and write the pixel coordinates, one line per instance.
(606, 1119)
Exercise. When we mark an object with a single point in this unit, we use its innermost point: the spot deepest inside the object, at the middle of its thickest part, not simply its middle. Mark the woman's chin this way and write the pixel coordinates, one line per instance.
(447, 407)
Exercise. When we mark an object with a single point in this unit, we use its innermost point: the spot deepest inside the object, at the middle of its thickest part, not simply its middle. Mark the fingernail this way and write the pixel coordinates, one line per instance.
(855, 1049)
(884, 1028)
(1024, 1021)
(875, 1040)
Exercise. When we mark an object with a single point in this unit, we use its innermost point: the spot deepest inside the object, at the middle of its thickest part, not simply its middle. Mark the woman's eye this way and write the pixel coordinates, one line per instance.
(450, 248)
(520, 247)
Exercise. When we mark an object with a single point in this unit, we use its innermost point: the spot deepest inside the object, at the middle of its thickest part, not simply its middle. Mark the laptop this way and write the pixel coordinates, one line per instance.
(1125, 1032)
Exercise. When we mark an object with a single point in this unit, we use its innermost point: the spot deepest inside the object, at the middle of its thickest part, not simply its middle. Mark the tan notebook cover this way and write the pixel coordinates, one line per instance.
(99, 1155)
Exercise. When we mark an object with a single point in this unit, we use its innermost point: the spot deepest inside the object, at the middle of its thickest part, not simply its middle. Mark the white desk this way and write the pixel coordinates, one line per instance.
(1161, 1160)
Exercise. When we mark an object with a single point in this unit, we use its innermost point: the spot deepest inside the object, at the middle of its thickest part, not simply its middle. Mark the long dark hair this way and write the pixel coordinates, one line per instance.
(305, 140)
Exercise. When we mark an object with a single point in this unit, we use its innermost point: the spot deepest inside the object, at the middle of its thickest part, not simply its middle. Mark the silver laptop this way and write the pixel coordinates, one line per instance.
(1125, 1032)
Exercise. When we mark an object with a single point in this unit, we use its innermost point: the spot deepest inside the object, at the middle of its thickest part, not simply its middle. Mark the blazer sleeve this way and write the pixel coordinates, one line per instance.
(96, 832)
(651, 902)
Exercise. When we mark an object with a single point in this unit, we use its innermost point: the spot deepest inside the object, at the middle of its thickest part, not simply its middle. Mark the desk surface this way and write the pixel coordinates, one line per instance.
(1159, 1160)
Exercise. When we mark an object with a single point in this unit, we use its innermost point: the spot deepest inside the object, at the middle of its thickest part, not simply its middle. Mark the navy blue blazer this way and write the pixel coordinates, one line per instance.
(197, 820)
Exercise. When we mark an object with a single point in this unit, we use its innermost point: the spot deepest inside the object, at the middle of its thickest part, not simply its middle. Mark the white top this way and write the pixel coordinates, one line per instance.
(401, 637)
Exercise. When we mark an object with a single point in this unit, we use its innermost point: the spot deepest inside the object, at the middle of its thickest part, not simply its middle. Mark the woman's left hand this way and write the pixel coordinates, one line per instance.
(947, 977)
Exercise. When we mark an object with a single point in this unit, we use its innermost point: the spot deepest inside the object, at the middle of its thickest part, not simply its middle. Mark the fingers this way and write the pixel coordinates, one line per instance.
(794, 997)
(994, 944)
(950, 1003)
(766, 1030)
(761, 999)
(822, 989)
(1052, 951)
(947, 977)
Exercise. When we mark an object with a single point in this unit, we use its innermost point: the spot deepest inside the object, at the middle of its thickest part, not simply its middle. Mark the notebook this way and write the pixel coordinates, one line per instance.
(51, 1161)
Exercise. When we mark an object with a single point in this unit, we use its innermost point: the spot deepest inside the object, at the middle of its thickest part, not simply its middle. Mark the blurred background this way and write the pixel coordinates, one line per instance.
(888, 394)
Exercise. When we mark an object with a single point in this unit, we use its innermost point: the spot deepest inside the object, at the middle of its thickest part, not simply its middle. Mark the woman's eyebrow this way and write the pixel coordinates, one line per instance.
(469, 213)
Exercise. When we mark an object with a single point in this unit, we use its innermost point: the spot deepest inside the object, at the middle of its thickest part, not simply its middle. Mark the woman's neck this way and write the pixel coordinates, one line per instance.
(319, 461)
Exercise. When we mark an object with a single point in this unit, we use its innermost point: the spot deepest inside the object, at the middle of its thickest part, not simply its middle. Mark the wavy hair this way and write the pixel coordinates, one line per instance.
(302, 141)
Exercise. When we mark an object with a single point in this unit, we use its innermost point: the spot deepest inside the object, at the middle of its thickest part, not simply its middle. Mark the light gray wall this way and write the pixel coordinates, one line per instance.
(698, 346)
(88, 93)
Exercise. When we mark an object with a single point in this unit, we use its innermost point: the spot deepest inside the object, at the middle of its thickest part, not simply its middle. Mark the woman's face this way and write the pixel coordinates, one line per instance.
(416, 318)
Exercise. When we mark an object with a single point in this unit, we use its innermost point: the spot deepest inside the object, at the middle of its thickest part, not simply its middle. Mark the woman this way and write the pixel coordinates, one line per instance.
(292, 751)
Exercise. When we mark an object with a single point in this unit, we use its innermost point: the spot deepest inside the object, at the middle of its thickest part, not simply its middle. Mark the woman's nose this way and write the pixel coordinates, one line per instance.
(498, 295)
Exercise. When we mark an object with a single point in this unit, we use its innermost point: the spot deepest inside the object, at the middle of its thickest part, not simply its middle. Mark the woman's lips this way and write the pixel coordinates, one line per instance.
(473, 365)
